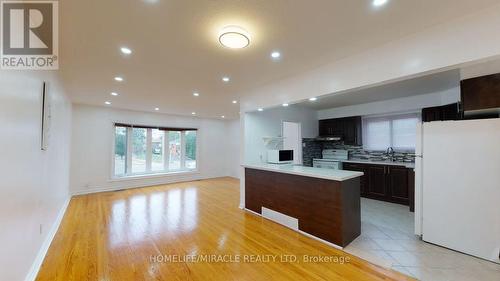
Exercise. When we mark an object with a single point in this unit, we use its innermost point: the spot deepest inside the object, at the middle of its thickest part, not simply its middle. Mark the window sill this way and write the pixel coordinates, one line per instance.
(156, 175)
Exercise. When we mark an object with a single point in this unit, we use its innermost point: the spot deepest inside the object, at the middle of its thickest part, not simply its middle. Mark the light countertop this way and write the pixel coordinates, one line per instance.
(386, 162)
(329, 174)
(409, 165)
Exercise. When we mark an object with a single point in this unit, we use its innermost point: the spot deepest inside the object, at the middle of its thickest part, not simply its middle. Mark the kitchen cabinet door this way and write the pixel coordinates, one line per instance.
(363, 182)
(377, 182)
(352, 131)
(397, 188)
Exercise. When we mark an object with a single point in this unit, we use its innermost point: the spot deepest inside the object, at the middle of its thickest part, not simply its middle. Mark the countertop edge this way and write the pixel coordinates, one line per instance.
(305, 174)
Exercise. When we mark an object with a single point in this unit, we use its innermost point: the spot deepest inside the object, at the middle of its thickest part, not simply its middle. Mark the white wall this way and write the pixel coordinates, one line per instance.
(92, 140)
(394, 105)
(34, 183)
(269, 123)
(233, 148)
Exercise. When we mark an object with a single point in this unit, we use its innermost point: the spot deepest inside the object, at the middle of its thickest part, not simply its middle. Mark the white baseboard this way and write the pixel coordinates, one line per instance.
(35, 267)
(138, 183)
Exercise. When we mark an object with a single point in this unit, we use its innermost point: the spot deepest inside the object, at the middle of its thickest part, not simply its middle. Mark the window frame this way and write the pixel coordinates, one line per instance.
(390, 118)
(149, 173)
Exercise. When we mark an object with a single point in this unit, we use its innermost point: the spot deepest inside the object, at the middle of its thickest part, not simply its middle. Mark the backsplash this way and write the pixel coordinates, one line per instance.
(312, 148)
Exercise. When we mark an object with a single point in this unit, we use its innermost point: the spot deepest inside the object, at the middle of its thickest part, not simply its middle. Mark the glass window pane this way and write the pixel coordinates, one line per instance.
(139, 150)
(191, 149)
(174, 150)
(157, 150)
(120, 151)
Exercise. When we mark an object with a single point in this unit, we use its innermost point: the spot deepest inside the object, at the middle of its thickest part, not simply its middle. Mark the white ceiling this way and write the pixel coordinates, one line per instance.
(176, 49)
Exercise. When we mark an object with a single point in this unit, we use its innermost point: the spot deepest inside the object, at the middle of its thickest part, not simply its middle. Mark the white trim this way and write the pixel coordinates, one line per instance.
(299, 231)
(149, 150)
(155, 175)
(139, 185)
(37, 263)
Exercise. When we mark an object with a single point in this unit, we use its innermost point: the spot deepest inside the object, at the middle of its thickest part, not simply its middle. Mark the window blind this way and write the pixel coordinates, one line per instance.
(396, 131)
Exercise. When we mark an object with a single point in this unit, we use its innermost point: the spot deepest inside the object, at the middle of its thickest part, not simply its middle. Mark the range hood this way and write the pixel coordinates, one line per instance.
(328, 138)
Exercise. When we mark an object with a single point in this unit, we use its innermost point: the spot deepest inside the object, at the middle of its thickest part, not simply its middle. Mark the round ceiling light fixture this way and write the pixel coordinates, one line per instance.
(234, 37)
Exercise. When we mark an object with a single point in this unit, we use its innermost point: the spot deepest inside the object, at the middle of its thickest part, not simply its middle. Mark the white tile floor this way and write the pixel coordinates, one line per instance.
(387, 239)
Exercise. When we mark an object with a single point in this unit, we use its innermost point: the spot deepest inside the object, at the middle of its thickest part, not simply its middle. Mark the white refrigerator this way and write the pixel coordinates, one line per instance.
(458, 186)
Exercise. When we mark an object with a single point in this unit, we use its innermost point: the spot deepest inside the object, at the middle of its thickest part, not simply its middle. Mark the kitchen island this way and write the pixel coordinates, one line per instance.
(322, 203)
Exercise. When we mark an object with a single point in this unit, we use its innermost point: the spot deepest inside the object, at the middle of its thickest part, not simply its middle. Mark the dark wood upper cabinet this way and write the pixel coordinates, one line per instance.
(442, 113)
(481, 93)
(349, 129)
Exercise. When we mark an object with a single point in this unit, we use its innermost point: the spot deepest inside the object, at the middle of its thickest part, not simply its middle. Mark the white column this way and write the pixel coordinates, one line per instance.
(183, 150)
(129, 151)
(149, 149)
(166, 151)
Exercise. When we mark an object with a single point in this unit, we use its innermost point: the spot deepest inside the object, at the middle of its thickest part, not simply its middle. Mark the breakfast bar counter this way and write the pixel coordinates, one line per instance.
(323, 203)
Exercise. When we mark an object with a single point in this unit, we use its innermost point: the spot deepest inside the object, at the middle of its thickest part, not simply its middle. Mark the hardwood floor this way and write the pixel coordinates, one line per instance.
(128, 235)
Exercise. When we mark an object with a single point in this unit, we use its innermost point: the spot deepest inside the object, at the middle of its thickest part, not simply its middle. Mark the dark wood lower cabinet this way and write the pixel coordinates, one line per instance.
(363, 184)
(377, 182)
(386, 182)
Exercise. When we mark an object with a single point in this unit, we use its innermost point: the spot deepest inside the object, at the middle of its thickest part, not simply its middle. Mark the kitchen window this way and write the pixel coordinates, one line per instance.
(396, 131)
(144, 150)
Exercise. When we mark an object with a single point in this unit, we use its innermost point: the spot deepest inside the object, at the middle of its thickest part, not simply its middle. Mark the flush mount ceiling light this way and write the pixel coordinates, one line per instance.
(114, 94)
(223, 117)
(193, 113)
(235, 101)
(378, 3)
(107, 102)
(285, 104)
(119, 79)
(225, 79)
(126, 51)
(313, 99)
(234, 37)
(260, 109)
(156, 109)
(196, 94)
(275, 55)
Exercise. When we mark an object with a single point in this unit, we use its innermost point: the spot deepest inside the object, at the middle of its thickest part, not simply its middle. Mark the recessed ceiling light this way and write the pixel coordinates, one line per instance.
(313, 99)
(114, 94)
(275, 55)
(156, 108)
(223, 117)
(107, 102)
(225, 79)
(285, 104)
(234, 37)
(378, 3)
(235, 101)
(126, 50)
(193, 113)
(260, 109)
(118, 78)
(196, 94)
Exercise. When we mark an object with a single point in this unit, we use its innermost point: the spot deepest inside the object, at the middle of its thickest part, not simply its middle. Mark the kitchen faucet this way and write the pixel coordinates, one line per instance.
(390, 152)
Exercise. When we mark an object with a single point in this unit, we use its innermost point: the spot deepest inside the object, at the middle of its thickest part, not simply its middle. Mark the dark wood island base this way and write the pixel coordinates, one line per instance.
(326, 209)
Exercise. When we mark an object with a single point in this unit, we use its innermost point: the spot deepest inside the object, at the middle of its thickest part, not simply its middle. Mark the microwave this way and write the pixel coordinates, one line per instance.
(280, 156)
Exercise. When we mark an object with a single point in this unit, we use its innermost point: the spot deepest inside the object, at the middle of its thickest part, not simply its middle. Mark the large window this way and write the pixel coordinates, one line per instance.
(144, 150)
(396, 131)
